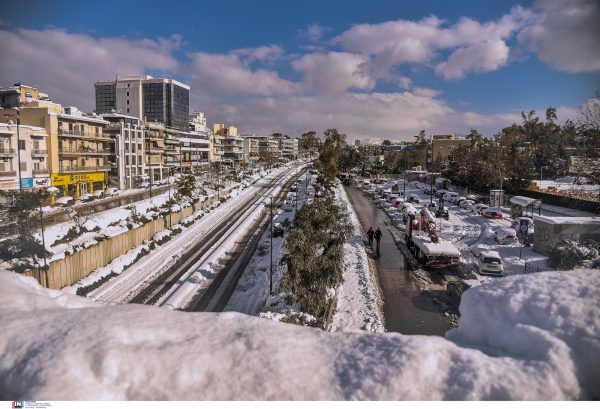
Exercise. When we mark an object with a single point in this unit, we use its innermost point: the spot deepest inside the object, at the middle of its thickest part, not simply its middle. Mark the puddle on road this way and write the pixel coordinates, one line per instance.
(406, 309)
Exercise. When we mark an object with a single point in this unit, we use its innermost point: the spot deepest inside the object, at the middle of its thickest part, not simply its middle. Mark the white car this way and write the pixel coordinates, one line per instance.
(98, 194)
(450, 196)
(112, 191)
(478, 208)
(505, 236)
(490, 262)
(64, 201)
(466, 204)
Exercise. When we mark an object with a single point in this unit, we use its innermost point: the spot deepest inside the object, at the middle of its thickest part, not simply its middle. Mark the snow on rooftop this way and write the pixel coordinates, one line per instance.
(442, 248)
(528, 337)
(568, 220)
(522, 200)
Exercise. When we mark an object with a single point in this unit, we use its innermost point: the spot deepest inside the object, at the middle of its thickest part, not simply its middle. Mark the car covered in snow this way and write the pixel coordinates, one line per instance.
(112, 191)
(98, 194)
(449, 196)
(277, 230)
(413, 199)
(456, 200)
(466, 204)
(87, 197)
(493, 213)
(505, 235)
(490, 262)
(64, 201)
(478, 208)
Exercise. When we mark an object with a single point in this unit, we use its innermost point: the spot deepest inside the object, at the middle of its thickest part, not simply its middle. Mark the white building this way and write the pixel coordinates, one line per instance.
(128, 147)
(195, 144)
(32, 149)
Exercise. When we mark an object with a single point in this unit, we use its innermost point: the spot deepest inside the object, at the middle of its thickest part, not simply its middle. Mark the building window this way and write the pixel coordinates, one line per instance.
(128, 94)
(23, 166)
(22, 145)
(127, 102)
(127, 110)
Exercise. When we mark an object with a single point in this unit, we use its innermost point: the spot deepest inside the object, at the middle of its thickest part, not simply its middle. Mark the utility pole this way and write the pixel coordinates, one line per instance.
(431, 188)
(271, 262)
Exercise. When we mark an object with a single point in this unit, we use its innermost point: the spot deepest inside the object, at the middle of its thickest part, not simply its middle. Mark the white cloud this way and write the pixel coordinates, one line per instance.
(567, 35)
(419, 42)
(334, 71)
(229, 74)
(481, 57)
(265, 53)
(313, 32)
(65, 65)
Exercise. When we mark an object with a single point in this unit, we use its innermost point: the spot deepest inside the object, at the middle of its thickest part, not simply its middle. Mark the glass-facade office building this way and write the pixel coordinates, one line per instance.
(162, 100)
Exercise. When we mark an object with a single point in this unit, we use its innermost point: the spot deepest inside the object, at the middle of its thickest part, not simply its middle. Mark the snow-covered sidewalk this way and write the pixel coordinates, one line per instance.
(359, 303)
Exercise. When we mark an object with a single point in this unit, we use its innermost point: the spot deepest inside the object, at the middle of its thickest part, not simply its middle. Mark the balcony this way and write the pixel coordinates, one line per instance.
(7, 152)
(77, 168)
(9, 173)
(39, 152)
(82, 134)
(40, 171)
(84, 152)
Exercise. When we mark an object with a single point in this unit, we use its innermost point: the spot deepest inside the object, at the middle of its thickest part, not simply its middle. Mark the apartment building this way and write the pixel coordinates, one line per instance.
(173, 160)
(288, 147)
(154, 135)
(230, 145)
(251, 149)
(150, 99)
(84, 153)
(442, 145)
(195, 144)
(27, 145)
(128, 151)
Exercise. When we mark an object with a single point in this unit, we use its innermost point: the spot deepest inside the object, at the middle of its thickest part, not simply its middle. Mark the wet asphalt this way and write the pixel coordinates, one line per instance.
(406, 309)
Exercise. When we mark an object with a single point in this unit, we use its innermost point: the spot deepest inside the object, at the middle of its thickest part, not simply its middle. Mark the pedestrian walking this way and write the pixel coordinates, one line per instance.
(370, 234)
(377, 237)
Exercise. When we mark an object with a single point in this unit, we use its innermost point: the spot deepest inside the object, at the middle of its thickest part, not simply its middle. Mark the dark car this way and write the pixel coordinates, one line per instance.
(277, 230)
(429, 191)
(413, 199)
(455, 290)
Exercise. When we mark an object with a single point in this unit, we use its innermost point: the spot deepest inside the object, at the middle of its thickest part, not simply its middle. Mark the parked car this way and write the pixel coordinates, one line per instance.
(64, 201)
(432, 206)
(466, 204)
(440, 193)
(413, 199)
(277, 230)
(98, 194)
(505, 236)
(87, 197)
(456, 289)
(112, 191)
(450, 196)
(478, 208)
(456, 200)
(490, 262)
(493, 213)
(429, 191)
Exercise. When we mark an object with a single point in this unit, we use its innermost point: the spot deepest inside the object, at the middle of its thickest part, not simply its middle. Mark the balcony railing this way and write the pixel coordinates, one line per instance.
(7, 151)
(39, 152)
(85, 151)
(67, 132)
(40, 171)
(77, 168)
(9, 173)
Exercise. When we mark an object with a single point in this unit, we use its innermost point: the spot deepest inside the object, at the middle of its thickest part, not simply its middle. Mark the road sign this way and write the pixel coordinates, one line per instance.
(524, 227)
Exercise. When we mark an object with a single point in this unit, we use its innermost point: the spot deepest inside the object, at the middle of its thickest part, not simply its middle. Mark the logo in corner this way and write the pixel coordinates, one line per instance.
(18, 404)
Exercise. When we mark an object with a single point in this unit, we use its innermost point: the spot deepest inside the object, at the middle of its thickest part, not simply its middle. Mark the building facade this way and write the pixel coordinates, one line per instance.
(128, 151)
(150, 99)
(154, 138)
(23, 157)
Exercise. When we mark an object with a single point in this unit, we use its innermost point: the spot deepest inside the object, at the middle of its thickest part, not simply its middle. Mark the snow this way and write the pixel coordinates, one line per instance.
(569, 220)
(442, 248)
(359, 305)
(531, 337)
(522, 200)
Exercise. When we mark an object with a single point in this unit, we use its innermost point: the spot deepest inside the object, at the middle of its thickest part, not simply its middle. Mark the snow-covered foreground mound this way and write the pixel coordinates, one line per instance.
(523, 337)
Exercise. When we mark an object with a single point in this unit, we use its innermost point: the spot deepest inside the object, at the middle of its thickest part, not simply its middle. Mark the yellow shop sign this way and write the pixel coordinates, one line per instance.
(62, 180)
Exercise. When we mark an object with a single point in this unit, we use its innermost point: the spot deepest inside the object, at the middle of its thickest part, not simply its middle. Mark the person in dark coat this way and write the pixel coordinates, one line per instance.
(370, 234)
(377, 237)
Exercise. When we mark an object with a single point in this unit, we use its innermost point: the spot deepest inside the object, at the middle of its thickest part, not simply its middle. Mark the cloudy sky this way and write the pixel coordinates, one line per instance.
(373, 69)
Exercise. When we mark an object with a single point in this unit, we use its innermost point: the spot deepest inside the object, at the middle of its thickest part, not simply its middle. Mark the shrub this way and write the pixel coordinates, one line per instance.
(565, 255)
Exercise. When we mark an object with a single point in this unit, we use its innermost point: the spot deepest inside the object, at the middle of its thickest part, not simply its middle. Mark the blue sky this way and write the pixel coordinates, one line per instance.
(377, 69)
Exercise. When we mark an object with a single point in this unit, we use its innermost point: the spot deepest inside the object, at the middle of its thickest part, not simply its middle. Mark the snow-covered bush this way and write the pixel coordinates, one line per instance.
(567, 254)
